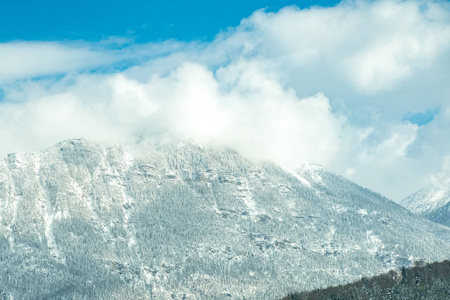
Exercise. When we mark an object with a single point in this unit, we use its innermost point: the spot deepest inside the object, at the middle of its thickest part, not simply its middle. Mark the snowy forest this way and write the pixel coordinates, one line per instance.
(183, 221)
(422, 281)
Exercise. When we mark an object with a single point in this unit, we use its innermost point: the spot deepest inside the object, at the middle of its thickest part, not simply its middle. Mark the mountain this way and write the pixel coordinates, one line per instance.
(432, 202)
(180, 221)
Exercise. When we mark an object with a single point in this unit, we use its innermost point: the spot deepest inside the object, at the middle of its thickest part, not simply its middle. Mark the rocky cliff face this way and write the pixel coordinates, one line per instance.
(78, 221)
(432, 202)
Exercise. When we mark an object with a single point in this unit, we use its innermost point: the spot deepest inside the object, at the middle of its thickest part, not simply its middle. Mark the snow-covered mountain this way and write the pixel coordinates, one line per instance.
(432, 202)
(179, 221)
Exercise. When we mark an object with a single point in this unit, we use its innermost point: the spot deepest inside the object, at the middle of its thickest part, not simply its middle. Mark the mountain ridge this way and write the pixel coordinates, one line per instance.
(432, 202)
(186, 222)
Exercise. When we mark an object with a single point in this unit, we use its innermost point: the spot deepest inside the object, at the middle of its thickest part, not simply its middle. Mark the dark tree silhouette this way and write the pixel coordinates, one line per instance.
(426, 282)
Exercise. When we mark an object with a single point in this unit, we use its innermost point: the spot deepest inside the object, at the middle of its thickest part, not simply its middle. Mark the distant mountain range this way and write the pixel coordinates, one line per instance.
(181, 221)
(432, 202)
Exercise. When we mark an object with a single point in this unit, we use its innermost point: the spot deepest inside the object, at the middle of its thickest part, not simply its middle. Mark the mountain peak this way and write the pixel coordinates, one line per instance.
(432, 202)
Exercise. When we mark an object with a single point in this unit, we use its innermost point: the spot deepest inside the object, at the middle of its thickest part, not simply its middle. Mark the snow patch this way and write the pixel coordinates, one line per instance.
(374, 242)
(49, 235)
(362, 212)
(300, 178)
(247, 196)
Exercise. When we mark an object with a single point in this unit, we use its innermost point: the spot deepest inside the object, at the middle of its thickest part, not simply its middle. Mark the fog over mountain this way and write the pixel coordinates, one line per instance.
(432, 202)
(182, 221)
(360, 87)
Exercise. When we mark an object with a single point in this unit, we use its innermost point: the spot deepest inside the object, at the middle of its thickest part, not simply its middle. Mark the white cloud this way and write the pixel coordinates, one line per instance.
(365, 48)
(330, 85)
(22, 60)
(28, 59)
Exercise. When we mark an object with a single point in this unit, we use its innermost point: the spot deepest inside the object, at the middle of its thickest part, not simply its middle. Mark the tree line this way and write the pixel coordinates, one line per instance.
(422, 281)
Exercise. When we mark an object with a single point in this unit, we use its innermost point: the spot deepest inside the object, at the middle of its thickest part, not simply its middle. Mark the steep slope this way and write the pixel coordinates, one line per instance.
(432, 202)
(78, 221)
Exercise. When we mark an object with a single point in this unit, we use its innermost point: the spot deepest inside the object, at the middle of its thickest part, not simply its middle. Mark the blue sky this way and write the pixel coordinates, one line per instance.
(143, 20)
(422, 118)
(361, 87)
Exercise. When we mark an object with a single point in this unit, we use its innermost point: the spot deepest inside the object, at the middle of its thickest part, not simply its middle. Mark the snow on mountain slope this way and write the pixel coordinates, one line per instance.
(432, 202)
(78, 221)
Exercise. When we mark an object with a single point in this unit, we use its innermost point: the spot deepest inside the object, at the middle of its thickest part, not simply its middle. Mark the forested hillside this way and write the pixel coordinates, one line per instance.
(431, 281)
(182, 221)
